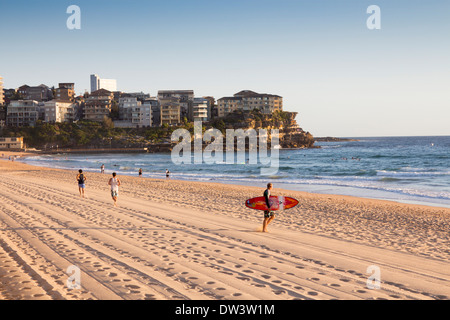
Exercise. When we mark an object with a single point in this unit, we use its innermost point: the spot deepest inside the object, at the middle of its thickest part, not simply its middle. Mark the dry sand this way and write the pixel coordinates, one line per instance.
(174, 240)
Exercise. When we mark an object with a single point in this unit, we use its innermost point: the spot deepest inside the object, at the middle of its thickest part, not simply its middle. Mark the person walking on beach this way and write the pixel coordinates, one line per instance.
(269, 215)
(140, 173)
(81, 179)
(114, 182)
(102, 168)
(167, 174)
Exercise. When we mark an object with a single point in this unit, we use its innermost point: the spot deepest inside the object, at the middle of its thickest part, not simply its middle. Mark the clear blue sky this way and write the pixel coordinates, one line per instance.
(342, 78)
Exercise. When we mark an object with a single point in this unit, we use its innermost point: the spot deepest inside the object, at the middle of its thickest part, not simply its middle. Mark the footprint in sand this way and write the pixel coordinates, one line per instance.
(334, 285)
(360, 291)
(278, 292)
(243, 278)
(132, 286)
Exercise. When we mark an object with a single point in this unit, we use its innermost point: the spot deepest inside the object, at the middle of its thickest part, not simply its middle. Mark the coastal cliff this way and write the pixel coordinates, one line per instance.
(291, 136)
(90, 136)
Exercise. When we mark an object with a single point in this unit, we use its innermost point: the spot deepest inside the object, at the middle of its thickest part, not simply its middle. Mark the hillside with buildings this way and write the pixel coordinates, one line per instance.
(55, 117)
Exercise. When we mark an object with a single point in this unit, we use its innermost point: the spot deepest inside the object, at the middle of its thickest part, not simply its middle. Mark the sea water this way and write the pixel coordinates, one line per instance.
(404, 169)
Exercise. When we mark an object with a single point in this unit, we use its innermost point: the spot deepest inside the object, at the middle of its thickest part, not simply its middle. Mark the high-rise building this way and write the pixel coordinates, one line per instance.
(2, 99)
(97, 83)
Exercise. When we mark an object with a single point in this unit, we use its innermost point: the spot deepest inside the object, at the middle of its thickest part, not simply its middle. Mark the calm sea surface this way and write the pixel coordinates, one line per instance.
(405, 169)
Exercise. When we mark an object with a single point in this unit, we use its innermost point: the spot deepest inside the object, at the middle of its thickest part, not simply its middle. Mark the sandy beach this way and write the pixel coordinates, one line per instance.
(178, 240)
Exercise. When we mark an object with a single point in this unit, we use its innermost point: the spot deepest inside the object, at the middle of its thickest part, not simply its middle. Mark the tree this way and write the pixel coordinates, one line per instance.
(107, 123)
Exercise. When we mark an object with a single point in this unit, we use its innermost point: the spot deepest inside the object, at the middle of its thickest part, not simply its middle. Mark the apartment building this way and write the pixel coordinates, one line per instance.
(65, 92)
(22, 113)
(98, 105)
(170, 111)
(228, 105)
(59, 111)
(39, 93)
(201, 110)
(153, 103)
(266, 103)
(184, 98)
(247, 100)
(133, 113)
(141, 96)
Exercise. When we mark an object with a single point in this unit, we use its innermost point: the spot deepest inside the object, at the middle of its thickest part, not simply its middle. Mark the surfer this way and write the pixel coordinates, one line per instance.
(114, 183)
(269, 215)
(81, 179)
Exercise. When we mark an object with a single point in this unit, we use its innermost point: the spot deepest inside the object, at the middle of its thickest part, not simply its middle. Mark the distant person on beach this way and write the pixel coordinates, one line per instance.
(81, 179)
(269, 215)
(114, 182)
(140, 172)
(102, 168)
(167, 174)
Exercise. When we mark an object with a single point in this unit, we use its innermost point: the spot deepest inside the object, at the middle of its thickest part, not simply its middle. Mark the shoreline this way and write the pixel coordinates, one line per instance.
(316, 189)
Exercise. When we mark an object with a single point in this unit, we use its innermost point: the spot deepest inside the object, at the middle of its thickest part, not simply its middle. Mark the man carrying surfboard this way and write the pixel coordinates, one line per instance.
(269, 215)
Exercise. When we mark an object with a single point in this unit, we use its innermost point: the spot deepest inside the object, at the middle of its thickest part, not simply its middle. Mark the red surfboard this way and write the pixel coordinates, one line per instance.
(276, 203)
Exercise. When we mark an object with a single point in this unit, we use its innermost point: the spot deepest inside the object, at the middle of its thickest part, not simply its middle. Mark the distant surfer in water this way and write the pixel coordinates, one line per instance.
(269, 215)
(114, 182)
(81, 179)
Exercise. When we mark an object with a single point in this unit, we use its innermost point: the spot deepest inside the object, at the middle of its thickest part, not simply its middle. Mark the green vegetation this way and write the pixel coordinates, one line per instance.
(88, 134)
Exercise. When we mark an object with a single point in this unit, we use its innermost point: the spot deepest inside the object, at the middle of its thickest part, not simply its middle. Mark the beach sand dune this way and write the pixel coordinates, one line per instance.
(177, 240)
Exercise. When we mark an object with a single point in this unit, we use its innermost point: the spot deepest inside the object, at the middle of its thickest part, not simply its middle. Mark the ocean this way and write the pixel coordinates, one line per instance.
(404, 169)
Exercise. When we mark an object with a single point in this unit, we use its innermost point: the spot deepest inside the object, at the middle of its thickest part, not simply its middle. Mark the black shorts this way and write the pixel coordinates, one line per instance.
(268, 214)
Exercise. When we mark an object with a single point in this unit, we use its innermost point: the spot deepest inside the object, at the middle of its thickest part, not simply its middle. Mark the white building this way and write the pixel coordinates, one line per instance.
(22, 113)
(134, 113)
(201, 110)
(58, 111)
(97, 83)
